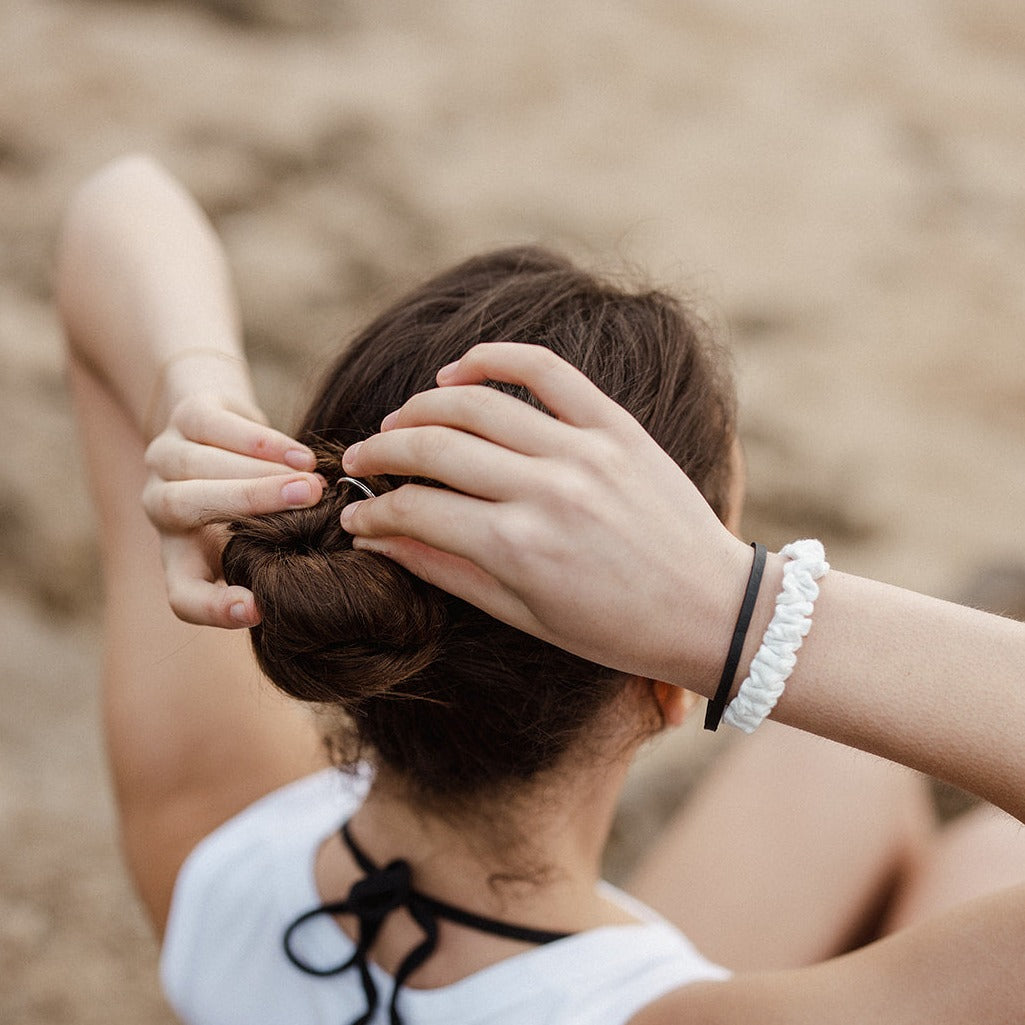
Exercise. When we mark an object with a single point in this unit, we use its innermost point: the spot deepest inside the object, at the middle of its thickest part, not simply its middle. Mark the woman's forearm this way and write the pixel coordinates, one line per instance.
(145, 294)
(935, 686)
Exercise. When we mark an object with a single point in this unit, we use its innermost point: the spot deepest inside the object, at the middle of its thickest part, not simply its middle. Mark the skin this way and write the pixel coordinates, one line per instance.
(182, 705)
(194, 735)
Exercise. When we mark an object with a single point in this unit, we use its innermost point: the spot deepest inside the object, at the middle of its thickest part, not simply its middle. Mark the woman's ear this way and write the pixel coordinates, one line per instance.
(675, 703)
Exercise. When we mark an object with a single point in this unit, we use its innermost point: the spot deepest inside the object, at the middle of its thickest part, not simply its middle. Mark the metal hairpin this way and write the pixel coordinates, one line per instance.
(357, 483)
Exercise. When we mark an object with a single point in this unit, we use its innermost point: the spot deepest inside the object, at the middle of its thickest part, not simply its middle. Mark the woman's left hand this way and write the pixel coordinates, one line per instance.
(216, 460)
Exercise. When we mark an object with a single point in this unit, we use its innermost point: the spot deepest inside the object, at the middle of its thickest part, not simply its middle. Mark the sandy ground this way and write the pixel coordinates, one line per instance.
(841, 183)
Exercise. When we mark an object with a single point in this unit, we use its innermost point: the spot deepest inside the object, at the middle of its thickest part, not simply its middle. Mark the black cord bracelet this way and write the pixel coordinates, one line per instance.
(717, 706)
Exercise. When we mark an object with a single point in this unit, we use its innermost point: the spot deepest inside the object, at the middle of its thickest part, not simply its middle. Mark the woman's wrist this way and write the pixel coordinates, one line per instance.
(220, 372)
(699, 654)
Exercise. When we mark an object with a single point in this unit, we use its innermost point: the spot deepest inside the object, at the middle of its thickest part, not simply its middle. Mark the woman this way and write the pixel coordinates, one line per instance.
(498, 759)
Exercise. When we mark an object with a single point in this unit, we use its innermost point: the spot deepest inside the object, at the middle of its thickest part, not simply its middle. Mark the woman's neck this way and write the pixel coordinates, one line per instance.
(520, 853)
(535, 864)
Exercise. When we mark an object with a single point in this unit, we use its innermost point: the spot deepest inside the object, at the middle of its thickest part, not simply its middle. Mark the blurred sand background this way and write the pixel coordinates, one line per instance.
(843, 184)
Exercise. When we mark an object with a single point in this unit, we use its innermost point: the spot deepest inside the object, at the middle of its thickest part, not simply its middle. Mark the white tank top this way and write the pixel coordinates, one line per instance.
(223, 962)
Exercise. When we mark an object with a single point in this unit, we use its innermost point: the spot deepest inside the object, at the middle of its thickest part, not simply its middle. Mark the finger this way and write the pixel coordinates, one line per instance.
(174, 457)
(186, 505)
(559, 386)
(444, 520)
(195, 598)
(453, 574)
(200, 422)
(485, 412)
(460, 460)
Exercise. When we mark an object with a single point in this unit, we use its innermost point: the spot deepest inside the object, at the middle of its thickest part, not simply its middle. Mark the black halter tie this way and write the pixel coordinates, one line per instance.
(371, 900)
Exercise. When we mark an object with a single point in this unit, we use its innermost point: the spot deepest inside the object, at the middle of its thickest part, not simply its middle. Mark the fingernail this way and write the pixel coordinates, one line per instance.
(446, 372)
(389, 420)
(348, 459)
(297, 492)
(240, 612)
(300, 459)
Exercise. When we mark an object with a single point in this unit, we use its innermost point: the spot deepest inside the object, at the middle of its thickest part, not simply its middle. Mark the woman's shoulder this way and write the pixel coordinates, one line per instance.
(250, 874)
(298, 812)
(298, 815)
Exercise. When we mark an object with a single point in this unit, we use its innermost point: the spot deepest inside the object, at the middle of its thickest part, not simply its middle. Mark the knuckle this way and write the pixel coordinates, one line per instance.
(154, 451)
(427, 445)
(199, 418)
(180, 466)
(166, 508)
(572, 491)
(479, 402)
(214, 611)
(514, 534)
(177, 598)
(172, 462)
(158, 503)
(153, 499)
(411, 409)
(479, 358)
(536, 363)
(598, 465)
(186, 414)
(169, 456)
(252, 494)
(165, 505)
(545, 359)
(261, 441)
(402, 505)
(474, 354)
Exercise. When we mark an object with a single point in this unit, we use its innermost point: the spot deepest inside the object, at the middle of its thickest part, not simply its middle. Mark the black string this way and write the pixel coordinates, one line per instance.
(371, 900)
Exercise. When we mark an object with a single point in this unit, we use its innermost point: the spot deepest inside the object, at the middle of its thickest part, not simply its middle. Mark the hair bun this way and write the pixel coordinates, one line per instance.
(339, 625)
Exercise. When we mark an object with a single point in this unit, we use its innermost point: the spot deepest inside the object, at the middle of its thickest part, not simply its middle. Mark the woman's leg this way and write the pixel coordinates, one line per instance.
(788, 852)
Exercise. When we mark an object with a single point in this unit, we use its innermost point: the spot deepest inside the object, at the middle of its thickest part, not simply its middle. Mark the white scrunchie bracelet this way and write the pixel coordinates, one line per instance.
(777, 656)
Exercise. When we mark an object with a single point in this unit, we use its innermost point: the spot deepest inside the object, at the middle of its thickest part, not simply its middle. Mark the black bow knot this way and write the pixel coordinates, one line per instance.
(382, 891)
(371, 900)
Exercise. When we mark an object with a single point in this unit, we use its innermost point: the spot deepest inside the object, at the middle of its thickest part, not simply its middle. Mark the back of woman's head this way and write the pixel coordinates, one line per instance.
(456, 703)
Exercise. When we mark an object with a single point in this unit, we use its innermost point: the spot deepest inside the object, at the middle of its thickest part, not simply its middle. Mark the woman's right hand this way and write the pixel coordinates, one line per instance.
(579, 529)
(575, 527)
(216, 460)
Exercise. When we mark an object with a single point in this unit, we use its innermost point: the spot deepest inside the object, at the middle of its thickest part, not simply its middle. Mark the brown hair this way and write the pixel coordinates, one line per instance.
(458, 704)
